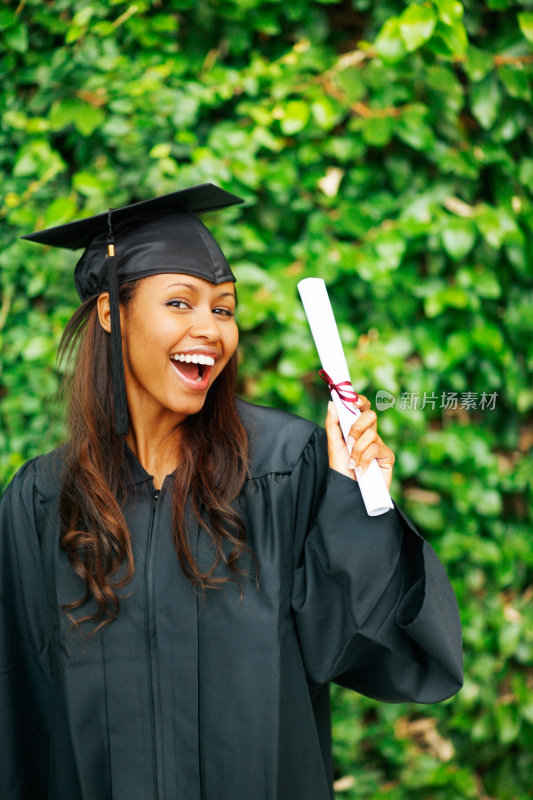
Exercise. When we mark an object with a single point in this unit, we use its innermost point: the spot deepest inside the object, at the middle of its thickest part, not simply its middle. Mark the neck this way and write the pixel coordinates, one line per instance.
(156, 448)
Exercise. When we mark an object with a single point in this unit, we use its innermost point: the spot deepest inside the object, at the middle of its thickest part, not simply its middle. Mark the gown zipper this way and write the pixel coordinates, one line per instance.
(150, 627)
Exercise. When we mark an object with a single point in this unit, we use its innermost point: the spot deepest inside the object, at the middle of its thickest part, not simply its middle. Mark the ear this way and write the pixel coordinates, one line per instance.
(104, 312)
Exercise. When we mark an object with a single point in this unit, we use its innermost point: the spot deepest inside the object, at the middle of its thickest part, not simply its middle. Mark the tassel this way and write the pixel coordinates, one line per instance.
(119, 383)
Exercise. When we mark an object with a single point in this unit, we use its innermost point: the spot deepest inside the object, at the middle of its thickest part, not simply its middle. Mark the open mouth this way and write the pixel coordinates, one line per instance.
(194, 369)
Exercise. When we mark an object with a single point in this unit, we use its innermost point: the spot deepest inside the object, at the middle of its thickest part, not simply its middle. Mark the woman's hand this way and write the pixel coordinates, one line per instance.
(364, 444)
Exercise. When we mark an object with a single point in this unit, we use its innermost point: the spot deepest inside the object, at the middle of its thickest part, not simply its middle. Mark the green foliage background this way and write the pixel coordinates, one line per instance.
(386, 147)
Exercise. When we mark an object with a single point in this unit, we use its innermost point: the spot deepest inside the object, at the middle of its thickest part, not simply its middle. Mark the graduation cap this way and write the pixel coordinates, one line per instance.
(159, 235)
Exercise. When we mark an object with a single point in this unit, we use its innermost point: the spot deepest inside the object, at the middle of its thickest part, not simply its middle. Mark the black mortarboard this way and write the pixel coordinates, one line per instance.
(147, 238)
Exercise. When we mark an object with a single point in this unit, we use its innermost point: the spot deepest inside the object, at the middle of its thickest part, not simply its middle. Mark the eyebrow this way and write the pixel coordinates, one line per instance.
(195, 289)
(181, 283)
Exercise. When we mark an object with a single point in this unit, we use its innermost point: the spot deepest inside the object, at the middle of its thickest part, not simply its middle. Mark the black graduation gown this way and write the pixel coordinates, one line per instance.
(180, 699)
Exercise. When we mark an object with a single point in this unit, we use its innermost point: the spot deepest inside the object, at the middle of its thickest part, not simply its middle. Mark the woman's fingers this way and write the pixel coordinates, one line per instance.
(363, 403)
(358, 453)
(352, 458)
(367, 419)
(368, 446)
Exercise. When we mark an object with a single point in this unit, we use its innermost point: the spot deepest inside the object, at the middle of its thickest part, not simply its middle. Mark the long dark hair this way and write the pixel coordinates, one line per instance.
(212, 469)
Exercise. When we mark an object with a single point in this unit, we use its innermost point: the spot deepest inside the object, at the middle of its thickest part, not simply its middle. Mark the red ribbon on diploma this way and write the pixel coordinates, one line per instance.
(344, 390)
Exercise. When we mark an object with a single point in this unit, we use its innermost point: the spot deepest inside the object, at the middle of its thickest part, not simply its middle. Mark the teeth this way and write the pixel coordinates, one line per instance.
(194, 359)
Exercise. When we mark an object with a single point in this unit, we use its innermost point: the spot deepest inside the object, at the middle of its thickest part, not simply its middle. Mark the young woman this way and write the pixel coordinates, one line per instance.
(183, 578)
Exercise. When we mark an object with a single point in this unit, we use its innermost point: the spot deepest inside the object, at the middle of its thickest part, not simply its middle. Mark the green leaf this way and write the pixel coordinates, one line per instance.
(88, 184)
(165, 23)
(74, 33)
(74, 111)
(527, 711)
(486, 101)
(478, 64)
(83, 16)
(324, 113)
(450, 11)
(61, 114)
(525, 21)
(390, 247)
(458, 236)
(7, 18)
(416, 26)
(186, 112)
(36, 348)
(524, 400)
(516, 81)
(525, 171)
(36, 285)
(389, 43)
(509, 127)
(488, 338)
(447, 296)
(60, 210)
(508, 723)
(25, 163)
(17, 38)
(484, 282)
(161, 150)
(413, 127)
(36, 157)
(88, 119)
(295, 117)
(351, 82)
(377, 131)
(497, 226)
(453, 39)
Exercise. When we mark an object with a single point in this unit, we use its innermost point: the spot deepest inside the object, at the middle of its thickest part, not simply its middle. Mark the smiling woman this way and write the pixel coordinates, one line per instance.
(180, 581)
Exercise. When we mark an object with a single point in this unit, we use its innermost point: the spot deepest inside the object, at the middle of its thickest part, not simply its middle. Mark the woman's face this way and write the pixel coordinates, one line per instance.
(178, 334)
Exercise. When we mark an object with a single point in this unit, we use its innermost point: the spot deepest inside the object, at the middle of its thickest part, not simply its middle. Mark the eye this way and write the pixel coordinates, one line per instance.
(223, 312)
(178, 303)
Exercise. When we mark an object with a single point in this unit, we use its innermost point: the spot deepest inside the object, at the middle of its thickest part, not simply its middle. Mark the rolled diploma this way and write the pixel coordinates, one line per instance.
(319, 314)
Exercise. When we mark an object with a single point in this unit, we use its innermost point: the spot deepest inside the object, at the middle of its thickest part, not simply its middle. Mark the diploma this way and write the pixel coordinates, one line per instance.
(319, 313)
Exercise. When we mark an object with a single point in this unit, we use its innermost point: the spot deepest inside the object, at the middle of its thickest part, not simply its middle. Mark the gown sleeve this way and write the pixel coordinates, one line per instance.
(25, 685)
(373, 606)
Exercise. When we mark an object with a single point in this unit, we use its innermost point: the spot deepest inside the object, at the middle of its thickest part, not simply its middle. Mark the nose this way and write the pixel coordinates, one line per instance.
(205, 324)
